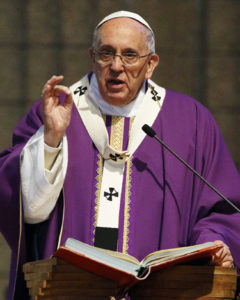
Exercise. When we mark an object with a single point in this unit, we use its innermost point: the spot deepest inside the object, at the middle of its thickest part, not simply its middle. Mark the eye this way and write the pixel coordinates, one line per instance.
(105, 55)
(130, 55)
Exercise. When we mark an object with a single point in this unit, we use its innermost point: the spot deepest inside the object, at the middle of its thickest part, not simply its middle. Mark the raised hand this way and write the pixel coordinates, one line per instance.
(222, 257)
(56, 116)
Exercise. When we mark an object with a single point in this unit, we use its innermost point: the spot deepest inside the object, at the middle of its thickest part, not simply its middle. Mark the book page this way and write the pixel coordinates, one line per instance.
(122, 256)
(111, 258)
(168, 254)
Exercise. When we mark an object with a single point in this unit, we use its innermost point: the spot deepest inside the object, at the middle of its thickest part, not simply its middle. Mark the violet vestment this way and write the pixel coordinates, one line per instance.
(167, 205)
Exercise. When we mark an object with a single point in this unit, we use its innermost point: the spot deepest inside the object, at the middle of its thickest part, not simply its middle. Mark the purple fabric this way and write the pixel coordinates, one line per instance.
(169, 206)
(10, 218)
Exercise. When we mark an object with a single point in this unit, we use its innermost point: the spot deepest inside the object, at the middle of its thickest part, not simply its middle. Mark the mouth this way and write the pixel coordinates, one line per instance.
(115, 81)
(115, 84)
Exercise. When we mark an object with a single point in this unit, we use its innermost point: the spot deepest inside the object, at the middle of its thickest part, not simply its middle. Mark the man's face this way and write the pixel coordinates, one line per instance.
(119, 84)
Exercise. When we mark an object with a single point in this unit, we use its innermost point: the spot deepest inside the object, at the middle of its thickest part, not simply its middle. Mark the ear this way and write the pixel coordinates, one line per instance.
(152, 64)
(92, 57)
(91, 54)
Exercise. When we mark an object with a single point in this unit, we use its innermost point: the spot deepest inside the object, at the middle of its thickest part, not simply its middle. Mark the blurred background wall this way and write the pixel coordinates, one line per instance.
(198, 42)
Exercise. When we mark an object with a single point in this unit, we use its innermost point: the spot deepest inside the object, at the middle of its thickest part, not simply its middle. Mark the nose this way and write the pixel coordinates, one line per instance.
(117, 64)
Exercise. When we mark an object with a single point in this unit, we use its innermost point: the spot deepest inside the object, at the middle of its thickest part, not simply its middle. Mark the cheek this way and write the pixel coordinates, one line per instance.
(136, 78)
(101, 79)
(138, 74)
(101, 73)
(97, 69)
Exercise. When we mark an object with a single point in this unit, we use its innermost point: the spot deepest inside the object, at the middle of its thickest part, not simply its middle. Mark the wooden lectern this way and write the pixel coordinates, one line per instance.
(188, 282)
(56, 279)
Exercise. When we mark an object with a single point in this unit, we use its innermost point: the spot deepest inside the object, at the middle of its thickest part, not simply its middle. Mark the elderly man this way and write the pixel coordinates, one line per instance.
(82, 167)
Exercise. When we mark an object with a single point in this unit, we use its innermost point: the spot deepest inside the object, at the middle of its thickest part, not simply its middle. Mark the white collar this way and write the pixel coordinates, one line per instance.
(128, 110)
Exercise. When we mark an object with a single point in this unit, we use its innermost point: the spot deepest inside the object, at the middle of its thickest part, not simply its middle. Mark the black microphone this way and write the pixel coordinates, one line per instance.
(150, 132)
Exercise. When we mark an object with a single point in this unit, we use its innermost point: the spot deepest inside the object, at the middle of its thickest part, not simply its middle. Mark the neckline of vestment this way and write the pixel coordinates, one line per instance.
(95, 125)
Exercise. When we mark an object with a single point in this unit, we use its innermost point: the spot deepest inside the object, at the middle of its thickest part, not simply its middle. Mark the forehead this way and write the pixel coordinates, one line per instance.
(122, 32)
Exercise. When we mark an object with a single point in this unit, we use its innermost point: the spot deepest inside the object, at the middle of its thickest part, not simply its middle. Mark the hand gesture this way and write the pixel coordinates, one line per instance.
(56, 116)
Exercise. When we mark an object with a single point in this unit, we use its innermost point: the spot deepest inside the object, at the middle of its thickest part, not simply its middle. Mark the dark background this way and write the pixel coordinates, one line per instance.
(197, 40)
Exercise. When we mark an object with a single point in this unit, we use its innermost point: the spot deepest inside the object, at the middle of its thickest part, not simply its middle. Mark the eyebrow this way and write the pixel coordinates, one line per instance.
(111, 48)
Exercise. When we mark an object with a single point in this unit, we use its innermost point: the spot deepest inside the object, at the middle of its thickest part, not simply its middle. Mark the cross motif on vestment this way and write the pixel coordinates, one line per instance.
(112, 193)
(81, 90)
(155, 94)
(115, 157)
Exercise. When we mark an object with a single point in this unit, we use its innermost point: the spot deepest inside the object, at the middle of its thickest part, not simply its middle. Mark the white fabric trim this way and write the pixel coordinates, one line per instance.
(50, 155)
(38, 194)
(51, 149)
(109, 205)
(113, 171)
(147, 114)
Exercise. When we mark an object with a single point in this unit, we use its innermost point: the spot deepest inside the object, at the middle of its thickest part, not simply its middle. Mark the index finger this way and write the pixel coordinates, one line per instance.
(50, 84)
(54, 80)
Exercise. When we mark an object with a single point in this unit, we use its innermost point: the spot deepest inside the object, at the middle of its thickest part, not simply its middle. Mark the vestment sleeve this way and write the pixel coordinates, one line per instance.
(40, 187)
(212, 217)
(11, 215)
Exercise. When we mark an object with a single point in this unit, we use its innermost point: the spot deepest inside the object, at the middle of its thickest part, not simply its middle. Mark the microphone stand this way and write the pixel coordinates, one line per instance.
(150, 132)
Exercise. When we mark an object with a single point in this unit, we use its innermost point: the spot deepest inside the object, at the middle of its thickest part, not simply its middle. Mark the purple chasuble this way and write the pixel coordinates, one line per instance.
(166, 205)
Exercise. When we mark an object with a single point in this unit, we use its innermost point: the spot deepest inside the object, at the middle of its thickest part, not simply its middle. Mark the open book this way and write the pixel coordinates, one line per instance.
(126, 269)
